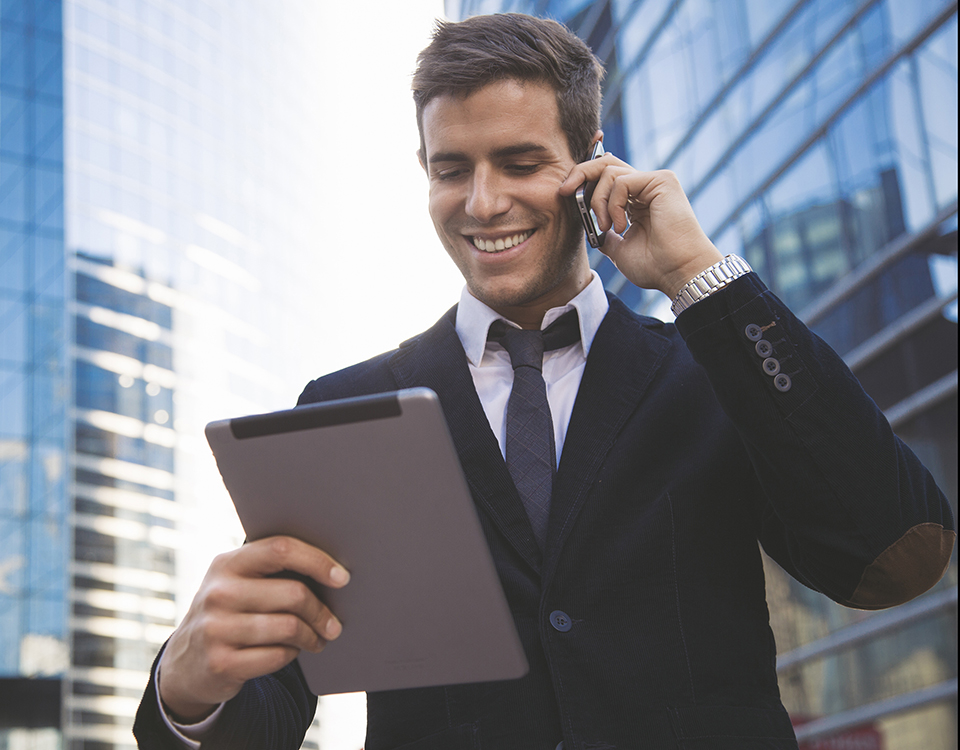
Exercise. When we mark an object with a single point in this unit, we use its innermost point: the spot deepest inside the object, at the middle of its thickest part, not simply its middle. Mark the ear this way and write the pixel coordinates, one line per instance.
(598, 136)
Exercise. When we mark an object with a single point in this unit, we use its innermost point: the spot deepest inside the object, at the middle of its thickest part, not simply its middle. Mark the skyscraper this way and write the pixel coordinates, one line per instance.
(818, 139)
(35, 436)
(157, 207)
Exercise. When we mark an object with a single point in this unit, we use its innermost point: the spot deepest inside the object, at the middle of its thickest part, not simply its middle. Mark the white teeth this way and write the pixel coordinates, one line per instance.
(493, 246)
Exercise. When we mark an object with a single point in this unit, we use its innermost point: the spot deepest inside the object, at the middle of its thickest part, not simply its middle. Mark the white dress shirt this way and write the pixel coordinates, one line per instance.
(188, 735)
(562, 368)
(493, 378)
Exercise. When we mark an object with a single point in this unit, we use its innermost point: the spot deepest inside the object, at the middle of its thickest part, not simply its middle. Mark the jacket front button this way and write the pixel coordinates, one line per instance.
(560, 621)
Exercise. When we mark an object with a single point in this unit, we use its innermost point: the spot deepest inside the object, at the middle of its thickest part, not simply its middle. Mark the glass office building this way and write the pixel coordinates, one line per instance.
(818, 139)
(35, 434)
(157, 211)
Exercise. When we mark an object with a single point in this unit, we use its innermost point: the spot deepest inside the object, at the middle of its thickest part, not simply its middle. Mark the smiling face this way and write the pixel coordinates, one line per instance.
(495, 160)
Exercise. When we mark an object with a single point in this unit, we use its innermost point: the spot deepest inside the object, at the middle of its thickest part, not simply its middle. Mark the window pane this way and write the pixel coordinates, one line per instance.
(937, 66)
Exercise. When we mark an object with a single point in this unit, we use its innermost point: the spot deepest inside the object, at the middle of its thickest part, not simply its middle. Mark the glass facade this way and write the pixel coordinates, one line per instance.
(818, 139)
(190, 176)
(157, 216)
(34, 377)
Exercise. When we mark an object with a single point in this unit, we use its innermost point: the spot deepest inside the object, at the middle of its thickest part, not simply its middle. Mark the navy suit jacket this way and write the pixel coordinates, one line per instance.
(682, 453)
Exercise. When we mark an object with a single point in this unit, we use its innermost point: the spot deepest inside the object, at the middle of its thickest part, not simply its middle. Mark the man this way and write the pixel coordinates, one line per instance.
(636, 584)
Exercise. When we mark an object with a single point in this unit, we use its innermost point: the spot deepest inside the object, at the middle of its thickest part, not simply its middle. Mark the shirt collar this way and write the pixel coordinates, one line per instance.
(474, 318)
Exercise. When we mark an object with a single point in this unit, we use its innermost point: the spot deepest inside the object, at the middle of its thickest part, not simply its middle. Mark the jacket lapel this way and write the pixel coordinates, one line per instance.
(624, 357)
(435, 359)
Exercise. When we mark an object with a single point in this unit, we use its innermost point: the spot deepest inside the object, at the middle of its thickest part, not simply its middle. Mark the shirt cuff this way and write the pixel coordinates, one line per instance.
(189, 735)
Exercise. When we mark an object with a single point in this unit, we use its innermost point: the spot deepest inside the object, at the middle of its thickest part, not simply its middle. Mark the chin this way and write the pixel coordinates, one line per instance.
(495, 298)
(508, 296)
(531, 284)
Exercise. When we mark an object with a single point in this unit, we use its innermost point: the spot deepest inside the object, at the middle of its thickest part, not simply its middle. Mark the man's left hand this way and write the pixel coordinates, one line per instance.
(662, 245)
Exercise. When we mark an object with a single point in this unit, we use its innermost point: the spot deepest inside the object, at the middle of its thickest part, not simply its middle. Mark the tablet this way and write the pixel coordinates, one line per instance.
(375, 482)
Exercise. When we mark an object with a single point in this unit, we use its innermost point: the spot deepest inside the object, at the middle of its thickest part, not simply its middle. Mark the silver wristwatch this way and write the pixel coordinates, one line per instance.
(709, 281)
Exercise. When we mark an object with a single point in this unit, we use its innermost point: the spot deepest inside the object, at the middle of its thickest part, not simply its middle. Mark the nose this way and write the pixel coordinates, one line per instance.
(487, 198)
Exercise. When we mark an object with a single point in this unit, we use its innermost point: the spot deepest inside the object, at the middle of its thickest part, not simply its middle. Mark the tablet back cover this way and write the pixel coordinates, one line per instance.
(376, 482)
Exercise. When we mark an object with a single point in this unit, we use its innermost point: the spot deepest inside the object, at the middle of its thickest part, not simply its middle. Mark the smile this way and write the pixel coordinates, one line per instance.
(503, 243)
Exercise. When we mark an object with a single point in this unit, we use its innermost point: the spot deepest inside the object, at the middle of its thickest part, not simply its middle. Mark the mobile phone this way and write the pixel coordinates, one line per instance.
(583, 195)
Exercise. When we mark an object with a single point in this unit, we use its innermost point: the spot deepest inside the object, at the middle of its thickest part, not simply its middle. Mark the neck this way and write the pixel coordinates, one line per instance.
(529, 315)
(526, 318)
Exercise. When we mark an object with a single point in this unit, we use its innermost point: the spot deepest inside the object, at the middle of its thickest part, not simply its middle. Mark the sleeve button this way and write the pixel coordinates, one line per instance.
(771, 366)
(764, 348)
(753, 332)
(783, 382)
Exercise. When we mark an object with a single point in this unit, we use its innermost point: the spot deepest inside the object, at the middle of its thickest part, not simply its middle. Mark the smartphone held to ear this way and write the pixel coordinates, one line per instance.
(584, 195)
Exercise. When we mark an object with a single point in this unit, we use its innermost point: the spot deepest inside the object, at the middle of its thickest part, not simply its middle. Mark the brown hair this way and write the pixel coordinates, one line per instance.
(464, 57)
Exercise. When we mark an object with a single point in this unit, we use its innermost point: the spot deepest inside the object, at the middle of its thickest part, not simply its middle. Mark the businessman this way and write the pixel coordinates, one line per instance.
(624, 469)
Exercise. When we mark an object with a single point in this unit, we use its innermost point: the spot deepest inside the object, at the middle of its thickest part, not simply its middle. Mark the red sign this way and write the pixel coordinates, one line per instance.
(861, 738)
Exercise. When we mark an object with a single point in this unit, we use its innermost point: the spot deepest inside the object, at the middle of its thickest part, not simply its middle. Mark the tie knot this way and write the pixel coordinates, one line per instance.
(526, 347)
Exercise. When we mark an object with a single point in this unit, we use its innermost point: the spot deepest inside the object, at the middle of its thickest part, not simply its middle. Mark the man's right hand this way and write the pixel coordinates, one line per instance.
(243, 624)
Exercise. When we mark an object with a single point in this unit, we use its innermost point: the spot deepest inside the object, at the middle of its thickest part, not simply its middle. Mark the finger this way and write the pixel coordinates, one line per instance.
(637, 210)
(624, 194)
(279, 553)
(589, 171)
(611, 245)
(274, 595)
(275, 629)
(605, 197)
(249, 663)
(236, 666)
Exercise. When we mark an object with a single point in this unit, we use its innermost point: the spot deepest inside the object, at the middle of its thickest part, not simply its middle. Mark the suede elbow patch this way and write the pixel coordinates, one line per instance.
(905, 569)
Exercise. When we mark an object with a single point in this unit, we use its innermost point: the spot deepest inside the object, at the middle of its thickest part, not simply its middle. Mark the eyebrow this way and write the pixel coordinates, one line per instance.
(500, 153)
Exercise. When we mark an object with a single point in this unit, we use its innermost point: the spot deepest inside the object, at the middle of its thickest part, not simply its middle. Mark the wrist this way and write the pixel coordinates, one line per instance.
(712, 279)
(677, 280)
(189, 713)
(182, 711)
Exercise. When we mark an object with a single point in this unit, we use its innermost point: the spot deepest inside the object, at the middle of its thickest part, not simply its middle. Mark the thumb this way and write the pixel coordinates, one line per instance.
(628, 256)
(611, 245)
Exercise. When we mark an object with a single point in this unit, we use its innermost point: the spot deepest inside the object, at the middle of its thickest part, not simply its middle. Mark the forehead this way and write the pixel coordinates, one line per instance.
(494, 116)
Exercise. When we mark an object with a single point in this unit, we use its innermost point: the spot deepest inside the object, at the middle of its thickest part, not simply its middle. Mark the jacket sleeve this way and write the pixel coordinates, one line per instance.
(846, 507)
(272, 712)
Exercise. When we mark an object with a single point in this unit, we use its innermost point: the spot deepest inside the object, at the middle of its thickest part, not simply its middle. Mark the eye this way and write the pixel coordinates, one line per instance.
(451, 173)
(522, 169)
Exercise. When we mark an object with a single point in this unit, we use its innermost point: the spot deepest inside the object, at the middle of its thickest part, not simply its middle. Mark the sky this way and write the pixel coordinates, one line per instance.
(388, 248)
(384, 274)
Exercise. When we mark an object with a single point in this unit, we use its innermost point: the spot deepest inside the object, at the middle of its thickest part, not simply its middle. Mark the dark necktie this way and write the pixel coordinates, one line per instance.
(531, 448)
